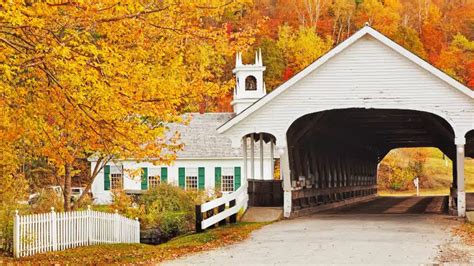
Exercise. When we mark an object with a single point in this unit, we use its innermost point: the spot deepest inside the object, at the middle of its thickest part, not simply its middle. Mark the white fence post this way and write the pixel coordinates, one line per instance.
(54, 230)
(16, 235)
(89, 225)
(116, 227)
(137, 232)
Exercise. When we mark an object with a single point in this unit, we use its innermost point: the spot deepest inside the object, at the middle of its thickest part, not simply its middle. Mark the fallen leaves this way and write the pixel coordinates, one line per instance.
(141, 253)
(466, 232)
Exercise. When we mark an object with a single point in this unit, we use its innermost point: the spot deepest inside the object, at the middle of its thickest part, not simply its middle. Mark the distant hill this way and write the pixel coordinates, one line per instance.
(400, 166)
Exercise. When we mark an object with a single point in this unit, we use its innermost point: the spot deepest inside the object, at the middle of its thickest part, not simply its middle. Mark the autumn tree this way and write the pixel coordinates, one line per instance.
(102, 78)
(458, 59)
(292, 51)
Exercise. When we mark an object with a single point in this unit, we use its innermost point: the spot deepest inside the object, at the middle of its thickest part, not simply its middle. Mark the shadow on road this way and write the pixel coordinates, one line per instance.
(396, 205)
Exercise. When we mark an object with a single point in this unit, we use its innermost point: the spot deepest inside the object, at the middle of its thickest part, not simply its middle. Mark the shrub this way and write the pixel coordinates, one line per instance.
(13, 196)
(124, 204)
(169, 209)
(172, 224)
(45, 200)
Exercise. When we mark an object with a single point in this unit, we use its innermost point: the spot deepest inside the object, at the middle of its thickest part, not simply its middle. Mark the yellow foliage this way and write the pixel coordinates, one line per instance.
(302, 47)
(13, 196)
(102, 78)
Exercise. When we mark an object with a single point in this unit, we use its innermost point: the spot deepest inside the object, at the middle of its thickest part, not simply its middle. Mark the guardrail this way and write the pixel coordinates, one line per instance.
(218, 210)
(37, 233)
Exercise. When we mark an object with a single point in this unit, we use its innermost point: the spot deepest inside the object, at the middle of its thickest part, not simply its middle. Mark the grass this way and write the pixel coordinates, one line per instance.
(141, 253)
(423, 192)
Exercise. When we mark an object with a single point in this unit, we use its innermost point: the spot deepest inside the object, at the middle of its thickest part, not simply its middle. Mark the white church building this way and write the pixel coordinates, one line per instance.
(329, 126)
(208, 160)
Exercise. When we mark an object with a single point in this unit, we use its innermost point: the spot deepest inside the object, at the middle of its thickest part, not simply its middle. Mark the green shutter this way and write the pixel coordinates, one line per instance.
(201, 178)
(107, 177)
(144, 178)
(237, 181)
(164, 175)
(218, 175)
(181, 177)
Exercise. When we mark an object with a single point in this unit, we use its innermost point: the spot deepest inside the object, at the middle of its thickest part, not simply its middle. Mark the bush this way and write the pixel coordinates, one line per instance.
(165, 210)
(13, 196)
(124, 204)
(46, 200)
(172, 224)
(169, 209)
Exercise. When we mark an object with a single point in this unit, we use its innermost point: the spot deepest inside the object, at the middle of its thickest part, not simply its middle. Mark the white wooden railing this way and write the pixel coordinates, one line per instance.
(218, 210)
(37, 233)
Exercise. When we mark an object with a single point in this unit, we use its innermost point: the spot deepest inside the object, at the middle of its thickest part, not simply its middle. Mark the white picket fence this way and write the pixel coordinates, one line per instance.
(54, 231)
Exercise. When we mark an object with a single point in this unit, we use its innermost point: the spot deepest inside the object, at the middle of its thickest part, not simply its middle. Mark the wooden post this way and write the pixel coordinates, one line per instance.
(117, 227)
(137, 233)
(16, 235)
(285, 173)
(209, 214)
(252, 156)
(454, 186)
(461, 193)
(261, 155)
(272, 160)
(244, 149)
(54, 233)
(89, 225)
(198, 219)
(221, 208)
(233, 217)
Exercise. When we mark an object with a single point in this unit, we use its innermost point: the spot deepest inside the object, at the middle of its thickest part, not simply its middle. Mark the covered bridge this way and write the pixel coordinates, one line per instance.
(333, 122)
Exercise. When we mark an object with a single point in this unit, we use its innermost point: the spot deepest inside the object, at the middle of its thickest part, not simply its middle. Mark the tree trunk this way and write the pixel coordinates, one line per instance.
(101, 162)
(67, 187)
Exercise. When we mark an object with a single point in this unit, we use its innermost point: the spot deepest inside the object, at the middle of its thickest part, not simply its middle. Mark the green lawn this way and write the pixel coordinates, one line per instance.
(141, 253)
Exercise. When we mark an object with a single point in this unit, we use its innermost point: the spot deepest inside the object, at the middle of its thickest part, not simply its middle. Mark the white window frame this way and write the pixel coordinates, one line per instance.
(191, 173)
(153, 173)
(154, 181)
(227, 172)
(116, 177)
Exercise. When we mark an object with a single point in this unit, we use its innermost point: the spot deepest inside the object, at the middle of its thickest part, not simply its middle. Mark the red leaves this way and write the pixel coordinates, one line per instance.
(287, 74)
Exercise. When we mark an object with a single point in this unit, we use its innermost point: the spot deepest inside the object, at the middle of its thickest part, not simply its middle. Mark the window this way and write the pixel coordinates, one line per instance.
(191, 178)
(227, 182)
(153, 181)
(250, 83)
(191, 182)
(116, 181)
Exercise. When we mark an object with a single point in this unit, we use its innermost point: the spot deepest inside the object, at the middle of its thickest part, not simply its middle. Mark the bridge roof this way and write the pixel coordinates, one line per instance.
(367, 30)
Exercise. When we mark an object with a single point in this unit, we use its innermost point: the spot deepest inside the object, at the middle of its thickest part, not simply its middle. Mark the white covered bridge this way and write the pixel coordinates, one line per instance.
(333, 122)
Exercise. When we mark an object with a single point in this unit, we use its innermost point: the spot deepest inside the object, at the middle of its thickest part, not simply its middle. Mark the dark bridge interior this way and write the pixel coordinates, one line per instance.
(334, 154)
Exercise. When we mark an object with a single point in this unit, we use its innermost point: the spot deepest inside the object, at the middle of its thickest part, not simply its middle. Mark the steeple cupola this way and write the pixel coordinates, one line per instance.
(249, 82)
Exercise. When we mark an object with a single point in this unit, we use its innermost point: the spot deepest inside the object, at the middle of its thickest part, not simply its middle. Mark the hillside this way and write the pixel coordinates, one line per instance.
(435, 174)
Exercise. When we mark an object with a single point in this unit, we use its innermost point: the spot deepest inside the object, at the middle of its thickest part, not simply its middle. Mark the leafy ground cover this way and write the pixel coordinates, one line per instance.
(466, 232)
(141, 253)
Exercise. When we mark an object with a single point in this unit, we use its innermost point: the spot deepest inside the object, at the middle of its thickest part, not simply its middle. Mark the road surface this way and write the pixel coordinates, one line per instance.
(375, 232)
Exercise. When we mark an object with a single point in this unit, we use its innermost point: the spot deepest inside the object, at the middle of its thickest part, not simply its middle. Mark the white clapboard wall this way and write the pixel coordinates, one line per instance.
(37, 233)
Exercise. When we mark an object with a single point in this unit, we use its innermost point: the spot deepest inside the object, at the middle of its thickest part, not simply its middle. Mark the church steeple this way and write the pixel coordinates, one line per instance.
(249, 82)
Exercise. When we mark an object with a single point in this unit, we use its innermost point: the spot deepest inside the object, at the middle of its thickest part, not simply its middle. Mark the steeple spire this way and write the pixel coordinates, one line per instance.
(250, 86)
(238, 59)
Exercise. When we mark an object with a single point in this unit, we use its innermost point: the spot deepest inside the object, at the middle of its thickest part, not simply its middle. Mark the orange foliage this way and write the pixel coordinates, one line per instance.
(427, 28)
